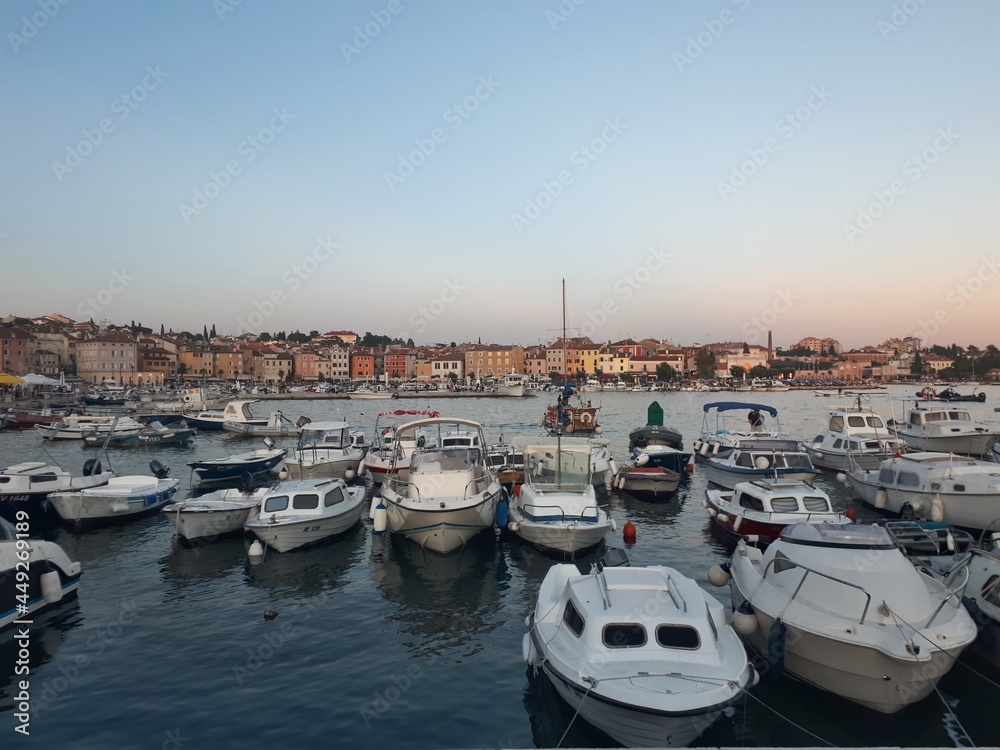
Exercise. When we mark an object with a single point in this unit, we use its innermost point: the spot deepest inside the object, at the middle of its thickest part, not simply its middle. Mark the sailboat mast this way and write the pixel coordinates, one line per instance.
(565, 363)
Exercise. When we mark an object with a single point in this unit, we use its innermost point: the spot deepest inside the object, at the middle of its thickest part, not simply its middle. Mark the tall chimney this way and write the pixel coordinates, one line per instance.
(768, 346)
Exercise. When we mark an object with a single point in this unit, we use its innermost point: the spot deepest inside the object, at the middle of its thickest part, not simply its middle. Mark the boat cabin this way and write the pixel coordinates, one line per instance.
(609, 612)
(781, 497)
(941, 417)
(302, 498)
(325, 435)
(932, 472)
(552, 468)
(459, 439)
(238, 411)
(770, 454)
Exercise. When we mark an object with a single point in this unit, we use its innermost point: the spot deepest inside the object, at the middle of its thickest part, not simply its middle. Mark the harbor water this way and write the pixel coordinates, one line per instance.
(378, 643)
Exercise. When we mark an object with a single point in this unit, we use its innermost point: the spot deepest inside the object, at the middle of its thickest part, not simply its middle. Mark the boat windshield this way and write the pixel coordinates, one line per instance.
(449, 459)
(567, 471)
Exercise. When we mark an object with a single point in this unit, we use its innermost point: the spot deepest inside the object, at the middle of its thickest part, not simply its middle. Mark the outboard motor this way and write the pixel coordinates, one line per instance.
(302, 421)
(91, 467)
(159, 470)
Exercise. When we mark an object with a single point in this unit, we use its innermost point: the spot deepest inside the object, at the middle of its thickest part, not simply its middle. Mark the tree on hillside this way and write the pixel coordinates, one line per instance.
(917, 365)
(264, 336)
(705, 363)
(664, 372)
(737, 372)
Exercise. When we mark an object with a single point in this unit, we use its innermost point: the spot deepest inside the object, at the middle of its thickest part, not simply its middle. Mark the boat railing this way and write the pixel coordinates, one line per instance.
(792, 564)
(952, 591)
(489, 476)
(557, 510)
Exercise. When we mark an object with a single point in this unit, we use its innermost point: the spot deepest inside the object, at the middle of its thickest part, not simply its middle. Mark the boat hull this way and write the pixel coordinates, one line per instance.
(971, 510)
(858, 673)
(42, 561)
(338, 468)
(978, 444)
(285, 537)
(648, 481)
(83, 509)
(560, 536)
(440, 530)
(225, 472)
(632, 727)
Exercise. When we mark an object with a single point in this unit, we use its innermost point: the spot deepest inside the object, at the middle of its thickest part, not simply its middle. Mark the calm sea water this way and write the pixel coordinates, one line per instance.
(377, 643)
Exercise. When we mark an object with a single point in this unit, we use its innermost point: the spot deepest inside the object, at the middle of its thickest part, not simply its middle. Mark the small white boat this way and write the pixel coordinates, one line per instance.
(842, 608)
(721, 432)
(647, 481)
(381, 457)
(215, 514)
(122, 499)
(765, 506)
(760, 458)
(255, 463)
(25, 486)
(37, 575)
(296, 513)
(945, 429)
(236, 411)
(325, 450)
(277, 425)
(450, 493)
(647, 676)
(371, 394)
(933, 486)
(76, 427)
(556, 507)
(853, 436)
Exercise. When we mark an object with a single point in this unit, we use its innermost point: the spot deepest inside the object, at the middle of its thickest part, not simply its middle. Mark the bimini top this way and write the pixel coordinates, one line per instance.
(730, 405)
(838, 535)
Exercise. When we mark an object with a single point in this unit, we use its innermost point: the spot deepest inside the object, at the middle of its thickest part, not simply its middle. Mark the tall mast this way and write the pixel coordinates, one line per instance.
(565, 363)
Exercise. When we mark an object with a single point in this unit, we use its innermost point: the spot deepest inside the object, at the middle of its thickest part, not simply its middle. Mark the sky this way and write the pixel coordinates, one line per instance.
(695, 171)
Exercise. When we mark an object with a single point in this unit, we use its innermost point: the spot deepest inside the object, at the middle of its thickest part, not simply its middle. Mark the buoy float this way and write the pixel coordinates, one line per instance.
(697, 445)
(718, 575)
(704, 449)
(744, 620)
(738, 522)
(256, 550)
(642, 460)
(513, 526)
(349, 474)
(613, 466)
(628, 531)
(842, 478)
(881, 498)
(517, 490)
(613, 525)
(598, 430)
(776, 647)
(283, 474)
(716, 449)
(502, 513)
(689, 466)
(937, 509)
(51, 587)
(528, 652)
(380, 519)
(851, 513)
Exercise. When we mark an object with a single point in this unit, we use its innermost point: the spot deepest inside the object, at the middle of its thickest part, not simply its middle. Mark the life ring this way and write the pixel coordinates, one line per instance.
(586, 418)
(928, 393)
(188, 399)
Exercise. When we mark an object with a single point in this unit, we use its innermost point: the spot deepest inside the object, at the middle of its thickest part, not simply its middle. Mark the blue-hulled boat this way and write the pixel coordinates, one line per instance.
(253, 463)
(26, 486)
(153, 433)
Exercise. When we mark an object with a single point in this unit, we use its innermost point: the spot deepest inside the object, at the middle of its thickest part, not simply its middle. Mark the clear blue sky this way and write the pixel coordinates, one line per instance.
(718, 168)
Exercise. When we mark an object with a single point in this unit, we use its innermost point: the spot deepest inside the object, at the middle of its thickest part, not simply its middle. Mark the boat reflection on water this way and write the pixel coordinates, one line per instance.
(550, 716)
(446, 601)
(48, 631)
(639, 509)
(318, 568)
(107, 542)
(189, 564)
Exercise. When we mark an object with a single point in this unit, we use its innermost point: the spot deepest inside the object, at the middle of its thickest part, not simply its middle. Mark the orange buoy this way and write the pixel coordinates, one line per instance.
(851, 513)
(628, 531)
(517, 490)
(689, 466)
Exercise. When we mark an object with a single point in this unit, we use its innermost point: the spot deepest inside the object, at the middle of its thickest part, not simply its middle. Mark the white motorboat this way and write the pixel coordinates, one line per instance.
(296, 513)
(325, 451)
(933, 486)
(215, 514)
(766, 506)
(853, 436)
(372, 394)
(121, 499)
(236, 411)
(25, 486)
(643, 653)
(277, 425)
(760, 458)
(945, 429)
(450, 493)
(842, 608)
(77, 426)
(513, 384)
(186, 400)
(381, 457)
(267, 460)
(556, 507)
(721, 429)
(34, 574)
(648, 481)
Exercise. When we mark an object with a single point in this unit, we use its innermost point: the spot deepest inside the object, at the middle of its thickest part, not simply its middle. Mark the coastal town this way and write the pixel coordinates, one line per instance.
(133, 355)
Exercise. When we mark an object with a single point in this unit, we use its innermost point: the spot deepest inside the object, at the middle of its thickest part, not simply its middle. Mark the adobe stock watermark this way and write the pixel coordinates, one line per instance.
(562, 12)
(250, 148)
(222, 7)
(758, 326)
(454, 116)
(900, 16)
(624, 288)
(383, 700)
(31, 25)
(427, 314)
(786, 126)
(293, 278)
(363, 35)
(714, 28)
(102, 299)
(581, 158)
(122, 106)
(958, 297)
(914, 168)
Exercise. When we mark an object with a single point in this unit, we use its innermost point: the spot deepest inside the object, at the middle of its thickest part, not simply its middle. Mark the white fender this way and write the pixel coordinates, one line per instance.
(51, 587)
